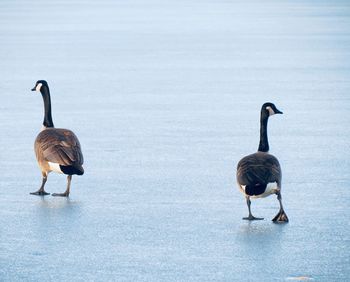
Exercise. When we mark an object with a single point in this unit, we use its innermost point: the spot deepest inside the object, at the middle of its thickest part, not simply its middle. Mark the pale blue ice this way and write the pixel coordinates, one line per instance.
(165, 98)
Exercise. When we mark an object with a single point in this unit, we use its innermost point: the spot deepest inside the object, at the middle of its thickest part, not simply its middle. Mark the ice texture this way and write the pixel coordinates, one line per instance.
(164, 96)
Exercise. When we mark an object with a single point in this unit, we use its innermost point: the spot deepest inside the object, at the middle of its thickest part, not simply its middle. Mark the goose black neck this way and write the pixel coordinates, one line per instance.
(45, 92)
(264, 142)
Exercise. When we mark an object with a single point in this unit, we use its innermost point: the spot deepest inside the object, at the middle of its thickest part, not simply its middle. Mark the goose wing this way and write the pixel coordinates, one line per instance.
(59, 146)
(259, 168)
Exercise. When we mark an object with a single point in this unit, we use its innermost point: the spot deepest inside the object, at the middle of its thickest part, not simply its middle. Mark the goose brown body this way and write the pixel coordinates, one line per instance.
(59, 146)
(258, 170)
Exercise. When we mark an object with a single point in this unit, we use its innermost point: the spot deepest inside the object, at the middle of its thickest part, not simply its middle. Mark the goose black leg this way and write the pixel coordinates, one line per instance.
(41, 191)
(250, 216)
(281, 216)
(66, 193)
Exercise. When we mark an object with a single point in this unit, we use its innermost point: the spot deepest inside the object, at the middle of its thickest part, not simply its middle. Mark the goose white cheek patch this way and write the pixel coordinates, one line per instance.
(37, 88)
(271, 111)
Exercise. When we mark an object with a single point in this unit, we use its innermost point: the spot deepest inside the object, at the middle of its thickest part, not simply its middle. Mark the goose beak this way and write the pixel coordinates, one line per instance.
(33, 89)
(278, 112)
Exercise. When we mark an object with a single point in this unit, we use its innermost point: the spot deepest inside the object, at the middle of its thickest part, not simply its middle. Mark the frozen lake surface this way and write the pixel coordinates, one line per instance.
(165, 98)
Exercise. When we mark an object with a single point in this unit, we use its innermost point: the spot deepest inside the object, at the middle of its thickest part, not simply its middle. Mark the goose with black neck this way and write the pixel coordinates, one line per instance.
(56, 149)
(259, 175)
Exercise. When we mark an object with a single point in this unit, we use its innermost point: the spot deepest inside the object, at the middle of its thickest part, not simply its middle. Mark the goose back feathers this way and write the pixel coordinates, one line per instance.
(59, 146)
(256, 171)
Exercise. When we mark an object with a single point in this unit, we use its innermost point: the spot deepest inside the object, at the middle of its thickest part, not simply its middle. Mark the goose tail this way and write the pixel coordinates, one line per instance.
(255, 189)
(72, 169)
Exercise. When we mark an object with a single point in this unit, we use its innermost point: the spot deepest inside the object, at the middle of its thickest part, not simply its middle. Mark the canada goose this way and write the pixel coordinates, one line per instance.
(56, 149)
(259, 174)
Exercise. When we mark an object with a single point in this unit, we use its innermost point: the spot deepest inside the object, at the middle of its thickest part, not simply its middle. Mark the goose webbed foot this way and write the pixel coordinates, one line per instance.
(65, 194)
(40, 193)
(281, 217)
(251, 217)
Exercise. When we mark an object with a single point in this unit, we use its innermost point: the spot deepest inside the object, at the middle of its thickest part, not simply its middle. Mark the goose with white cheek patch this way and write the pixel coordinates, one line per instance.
(259, 175)
(56, 149)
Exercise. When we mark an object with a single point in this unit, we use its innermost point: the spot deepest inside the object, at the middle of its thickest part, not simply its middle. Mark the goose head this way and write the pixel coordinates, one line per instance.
(39, 85)
(269, 109)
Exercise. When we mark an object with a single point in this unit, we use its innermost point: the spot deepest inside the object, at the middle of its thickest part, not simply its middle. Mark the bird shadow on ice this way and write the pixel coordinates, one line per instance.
(260, 234)
(56, 214)
(55, 221)
(59, 205)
